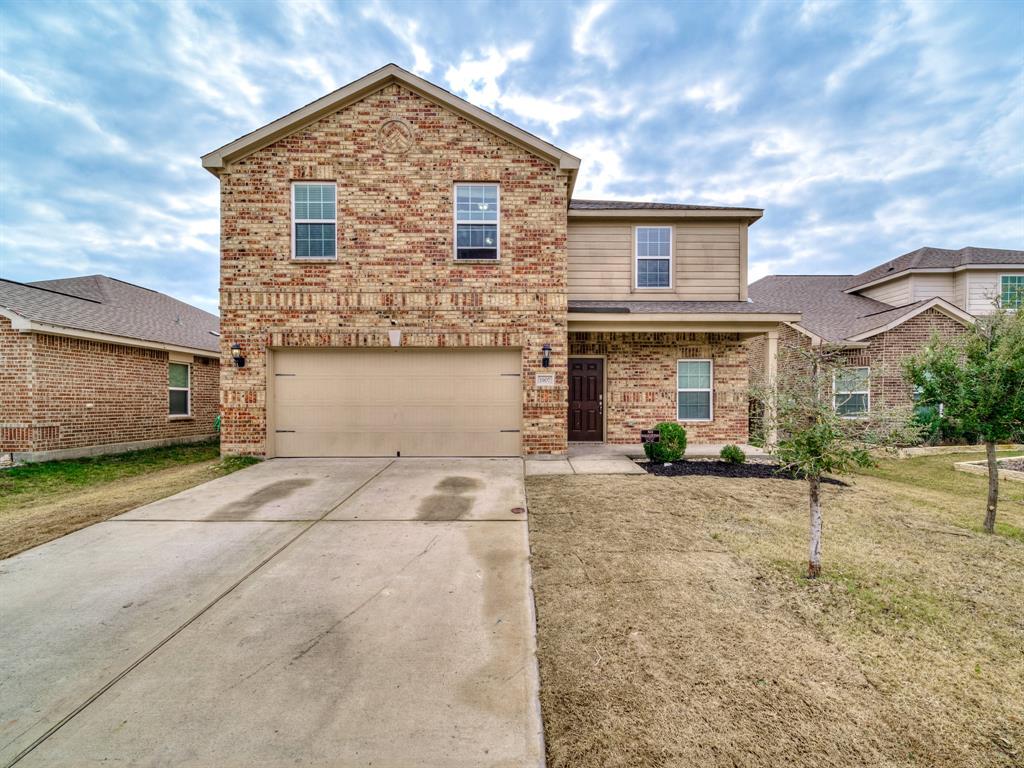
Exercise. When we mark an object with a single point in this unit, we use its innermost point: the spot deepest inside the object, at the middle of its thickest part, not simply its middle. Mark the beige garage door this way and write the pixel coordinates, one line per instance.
(388, 402)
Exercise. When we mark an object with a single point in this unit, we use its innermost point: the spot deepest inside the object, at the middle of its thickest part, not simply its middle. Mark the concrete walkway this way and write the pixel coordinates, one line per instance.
(608, 459)
(300, 612)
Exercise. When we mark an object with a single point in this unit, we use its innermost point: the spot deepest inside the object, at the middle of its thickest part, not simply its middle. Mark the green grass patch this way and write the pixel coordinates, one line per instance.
(31, 481)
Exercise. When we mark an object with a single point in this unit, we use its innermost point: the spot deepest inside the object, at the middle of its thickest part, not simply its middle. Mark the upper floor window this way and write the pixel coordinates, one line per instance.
(178, 389)
(476, 221)
(314, 220)
(654, 257)
(851, 391)
(1011, 291)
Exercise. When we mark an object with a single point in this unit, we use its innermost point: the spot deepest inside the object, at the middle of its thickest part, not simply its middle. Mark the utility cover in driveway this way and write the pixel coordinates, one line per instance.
(382, 402)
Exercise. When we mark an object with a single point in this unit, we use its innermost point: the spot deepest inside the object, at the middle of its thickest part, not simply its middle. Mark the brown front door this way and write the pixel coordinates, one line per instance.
(586, 398)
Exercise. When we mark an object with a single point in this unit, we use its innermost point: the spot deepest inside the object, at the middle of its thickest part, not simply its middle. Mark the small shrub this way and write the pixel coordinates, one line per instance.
(672, 443)
(732, 454)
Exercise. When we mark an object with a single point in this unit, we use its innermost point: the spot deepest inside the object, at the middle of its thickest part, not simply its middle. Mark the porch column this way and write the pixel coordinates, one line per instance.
(771, 371)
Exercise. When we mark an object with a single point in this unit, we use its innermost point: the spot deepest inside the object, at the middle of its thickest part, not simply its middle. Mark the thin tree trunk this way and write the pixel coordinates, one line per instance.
(814, 561)
(993, 487)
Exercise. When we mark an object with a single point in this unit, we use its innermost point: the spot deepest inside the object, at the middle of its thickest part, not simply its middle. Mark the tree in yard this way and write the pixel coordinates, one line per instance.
(978, 382)
(817, 431)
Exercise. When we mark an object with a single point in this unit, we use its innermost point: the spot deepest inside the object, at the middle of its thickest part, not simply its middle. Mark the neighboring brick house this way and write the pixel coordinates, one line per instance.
(876, 319)
(405, 273)
(96, 365)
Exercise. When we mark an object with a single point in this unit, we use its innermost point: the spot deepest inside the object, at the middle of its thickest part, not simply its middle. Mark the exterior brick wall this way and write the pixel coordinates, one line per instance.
(640, 369)
(15, 388)
(884, 354)
(395, 268)
(74, 393)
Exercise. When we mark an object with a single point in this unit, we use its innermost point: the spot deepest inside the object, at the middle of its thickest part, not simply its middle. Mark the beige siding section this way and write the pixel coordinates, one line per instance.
(960, 290)
(895, 292)
(982, 287)
(706, 260)
(930, 286)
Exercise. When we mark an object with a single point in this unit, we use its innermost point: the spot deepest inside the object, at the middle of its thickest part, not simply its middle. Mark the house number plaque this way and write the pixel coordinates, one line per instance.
(544, 380)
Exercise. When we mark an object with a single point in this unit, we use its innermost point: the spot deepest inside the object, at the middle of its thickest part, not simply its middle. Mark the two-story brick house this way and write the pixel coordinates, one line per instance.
(405, 273)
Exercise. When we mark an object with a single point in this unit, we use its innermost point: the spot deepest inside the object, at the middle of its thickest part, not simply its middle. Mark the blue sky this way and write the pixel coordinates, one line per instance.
(865, 130)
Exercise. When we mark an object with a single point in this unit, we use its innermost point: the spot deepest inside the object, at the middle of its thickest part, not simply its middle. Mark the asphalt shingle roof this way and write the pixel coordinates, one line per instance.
(104, 305)
(626, 205)
(935, 258)
(827, 311)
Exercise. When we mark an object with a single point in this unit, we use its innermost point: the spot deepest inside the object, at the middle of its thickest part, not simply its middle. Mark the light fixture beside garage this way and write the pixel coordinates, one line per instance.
(236, 355)
(546, 361)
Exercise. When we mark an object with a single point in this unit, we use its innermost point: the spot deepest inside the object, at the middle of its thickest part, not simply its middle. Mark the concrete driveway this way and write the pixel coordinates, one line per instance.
(350, 612)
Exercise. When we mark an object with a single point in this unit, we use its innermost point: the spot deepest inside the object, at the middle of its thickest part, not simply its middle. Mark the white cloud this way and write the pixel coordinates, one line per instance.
(586, 40)
(477, 78)
(35, 93)
(811, 11)
(716, 95)
(405, 29)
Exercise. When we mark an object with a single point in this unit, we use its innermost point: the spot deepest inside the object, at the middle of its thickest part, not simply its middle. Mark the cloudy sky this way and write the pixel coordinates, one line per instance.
(864, 130)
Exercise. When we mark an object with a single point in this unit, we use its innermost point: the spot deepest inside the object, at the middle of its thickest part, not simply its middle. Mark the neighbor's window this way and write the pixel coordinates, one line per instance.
(1012, 291)
(851, 391)
(314, 220)
(693, 390)
(654, 257)
(476, 221)
(178, 390)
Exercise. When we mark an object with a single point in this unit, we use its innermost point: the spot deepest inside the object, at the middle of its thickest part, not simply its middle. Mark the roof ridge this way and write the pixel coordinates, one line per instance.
(49, 290)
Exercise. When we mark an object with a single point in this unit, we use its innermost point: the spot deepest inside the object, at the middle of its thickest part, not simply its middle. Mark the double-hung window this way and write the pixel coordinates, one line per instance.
(179, 379)
(314, 220)
(654, 257)
(694, 401)
(1011, 291)
(476, 221)
(851, 391)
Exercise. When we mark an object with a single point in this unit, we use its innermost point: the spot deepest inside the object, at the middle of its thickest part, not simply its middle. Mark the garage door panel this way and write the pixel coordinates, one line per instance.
(378, 402)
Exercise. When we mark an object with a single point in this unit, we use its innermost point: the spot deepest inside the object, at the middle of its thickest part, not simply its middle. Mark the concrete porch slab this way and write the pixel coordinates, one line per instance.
(440, 489)
(553, 466)
(281, 489)
(605, 465)
(693, 450)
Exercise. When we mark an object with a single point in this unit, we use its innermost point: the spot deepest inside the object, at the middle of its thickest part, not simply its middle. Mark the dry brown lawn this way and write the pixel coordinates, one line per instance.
(675, 627)
(41, 502)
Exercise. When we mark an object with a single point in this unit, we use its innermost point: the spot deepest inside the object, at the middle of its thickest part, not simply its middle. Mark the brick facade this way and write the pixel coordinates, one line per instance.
(640, 371)
(884, 354)
(59, 393)
(395, 268)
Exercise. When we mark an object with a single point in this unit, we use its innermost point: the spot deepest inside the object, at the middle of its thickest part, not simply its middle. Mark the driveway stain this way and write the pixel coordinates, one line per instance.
(454, 498)
(245, 507)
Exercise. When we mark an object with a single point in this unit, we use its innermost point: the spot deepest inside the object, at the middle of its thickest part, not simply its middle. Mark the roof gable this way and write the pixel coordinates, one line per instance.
(929, 259)
(218, 159)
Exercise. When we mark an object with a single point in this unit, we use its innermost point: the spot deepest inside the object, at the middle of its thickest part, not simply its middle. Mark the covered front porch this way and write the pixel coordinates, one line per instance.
(635, 364)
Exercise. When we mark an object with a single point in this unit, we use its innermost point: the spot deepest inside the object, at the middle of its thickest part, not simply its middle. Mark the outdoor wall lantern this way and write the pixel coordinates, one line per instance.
(236, 355)
(546, 349)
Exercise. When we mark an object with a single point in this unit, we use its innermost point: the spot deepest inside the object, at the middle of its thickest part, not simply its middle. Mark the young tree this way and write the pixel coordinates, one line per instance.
(978, 381)
(818, 433)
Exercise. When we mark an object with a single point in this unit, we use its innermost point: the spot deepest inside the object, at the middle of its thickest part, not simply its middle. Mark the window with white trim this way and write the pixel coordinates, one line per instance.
(1011, 291)
(314, 220)
(477, 210)
(179, 392)
(694, 390)
(653, 257)
(851, 391)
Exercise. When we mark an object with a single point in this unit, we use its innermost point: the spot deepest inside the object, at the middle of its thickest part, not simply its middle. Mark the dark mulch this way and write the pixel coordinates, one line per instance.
(762, 470)
(1015, 464)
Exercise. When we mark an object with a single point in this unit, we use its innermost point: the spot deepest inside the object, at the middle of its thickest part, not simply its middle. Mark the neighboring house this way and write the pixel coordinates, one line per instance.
(882, 316)
(96, 365)
(404, 272)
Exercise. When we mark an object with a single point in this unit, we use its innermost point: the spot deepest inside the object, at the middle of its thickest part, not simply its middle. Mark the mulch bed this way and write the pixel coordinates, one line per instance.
(1017, 465)
(763, 470)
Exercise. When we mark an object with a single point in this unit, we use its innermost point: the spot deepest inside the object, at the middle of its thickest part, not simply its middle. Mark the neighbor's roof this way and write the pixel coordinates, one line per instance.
(640, 208)
(831, 314)
(934, 259)
(104, 305)
(359, 89)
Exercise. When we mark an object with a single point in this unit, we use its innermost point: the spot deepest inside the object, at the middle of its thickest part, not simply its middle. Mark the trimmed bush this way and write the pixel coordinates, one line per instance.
(671, 446)
(732, 454)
